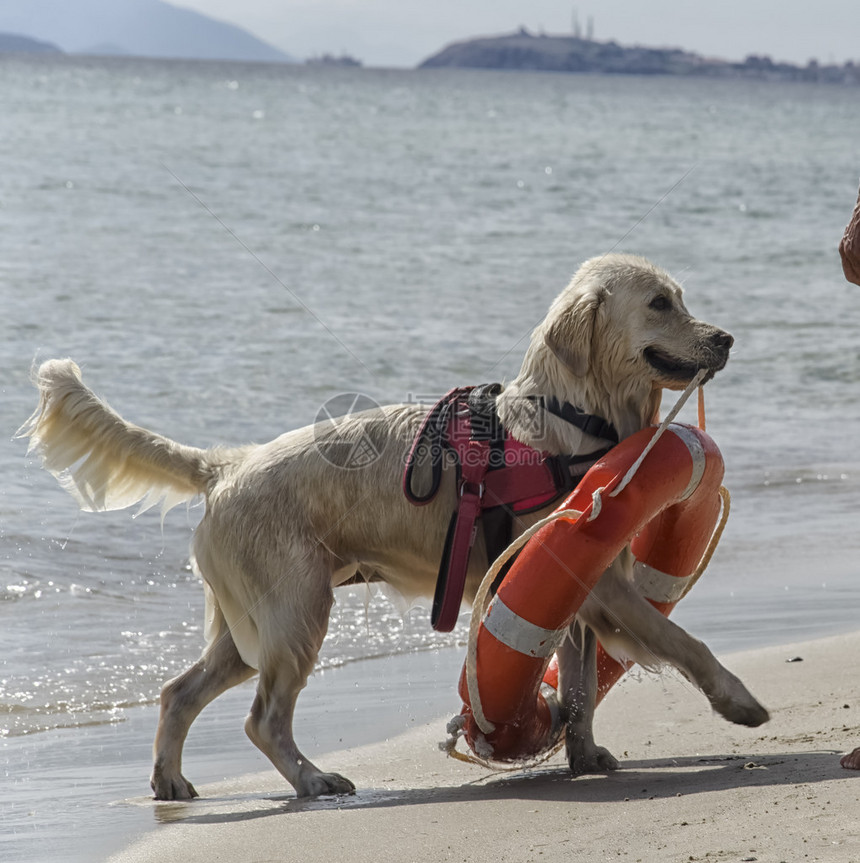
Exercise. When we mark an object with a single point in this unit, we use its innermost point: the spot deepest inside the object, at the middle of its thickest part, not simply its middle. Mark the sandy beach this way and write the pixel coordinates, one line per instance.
(692, 787)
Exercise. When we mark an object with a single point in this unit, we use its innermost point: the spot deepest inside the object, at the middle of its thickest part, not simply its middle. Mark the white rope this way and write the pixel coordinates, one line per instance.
(479, 608)
(449, 747)
(597, 501)
(714, 541)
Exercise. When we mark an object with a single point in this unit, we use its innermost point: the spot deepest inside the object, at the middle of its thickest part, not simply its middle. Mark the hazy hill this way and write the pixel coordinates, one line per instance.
(146, 28)
(13, 43)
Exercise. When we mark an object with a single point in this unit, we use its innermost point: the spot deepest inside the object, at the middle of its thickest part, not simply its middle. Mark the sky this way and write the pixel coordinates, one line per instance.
(404, 32)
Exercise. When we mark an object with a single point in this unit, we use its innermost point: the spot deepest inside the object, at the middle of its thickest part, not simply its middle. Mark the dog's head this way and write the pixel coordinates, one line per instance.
(622, 321)
(612, 341)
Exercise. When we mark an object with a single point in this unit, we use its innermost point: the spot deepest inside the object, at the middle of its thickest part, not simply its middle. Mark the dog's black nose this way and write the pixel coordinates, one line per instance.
(722, 339)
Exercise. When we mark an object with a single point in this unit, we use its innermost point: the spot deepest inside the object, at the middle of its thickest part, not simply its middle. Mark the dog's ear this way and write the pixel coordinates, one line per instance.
(569, 334)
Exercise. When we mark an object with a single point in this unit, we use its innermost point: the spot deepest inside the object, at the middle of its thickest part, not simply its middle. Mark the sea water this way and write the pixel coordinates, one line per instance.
(225, 248)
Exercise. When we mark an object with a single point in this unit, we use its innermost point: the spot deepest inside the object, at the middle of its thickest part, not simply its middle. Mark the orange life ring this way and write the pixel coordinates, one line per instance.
(668, 510)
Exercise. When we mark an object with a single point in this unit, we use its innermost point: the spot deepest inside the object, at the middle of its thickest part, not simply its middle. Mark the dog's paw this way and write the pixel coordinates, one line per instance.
(737, 705)
(749, 712)
(851, 761)
(175, 787)
(585, 757)
(319, 784)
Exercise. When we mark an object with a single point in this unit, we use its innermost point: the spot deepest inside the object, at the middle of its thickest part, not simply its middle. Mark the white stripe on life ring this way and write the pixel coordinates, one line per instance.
(697, 454)
(659, 586)
(518, 634)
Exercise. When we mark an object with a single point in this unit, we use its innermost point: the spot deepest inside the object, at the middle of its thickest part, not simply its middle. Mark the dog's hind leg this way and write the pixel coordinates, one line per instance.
(291, 635)
(182, 699)
(577, 683)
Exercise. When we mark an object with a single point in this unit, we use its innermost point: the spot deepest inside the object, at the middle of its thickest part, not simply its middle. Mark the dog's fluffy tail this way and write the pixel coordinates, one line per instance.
(102, 460)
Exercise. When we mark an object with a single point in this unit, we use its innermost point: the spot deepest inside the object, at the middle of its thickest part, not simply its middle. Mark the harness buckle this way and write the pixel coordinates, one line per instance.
(476, 489)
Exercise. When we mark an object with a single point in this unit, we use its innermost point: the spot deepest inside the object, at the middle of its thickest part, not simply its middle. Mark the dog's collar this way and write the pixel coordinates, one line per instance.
(588, 423)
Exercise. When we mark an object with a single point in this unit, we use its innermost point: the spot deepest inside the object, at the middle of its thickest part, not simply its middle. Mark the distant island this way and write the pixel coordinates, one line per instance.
(525, 51)
(344, 60)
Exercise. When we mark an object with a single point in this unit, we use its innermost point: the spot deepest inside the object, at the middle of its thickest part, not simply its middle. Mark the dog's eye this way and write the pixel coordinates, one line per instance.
(660, 303)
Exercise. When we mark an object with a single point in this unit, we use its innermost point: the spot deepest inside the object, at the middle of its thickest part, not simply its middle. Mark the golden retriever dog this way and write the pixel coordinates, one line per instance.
(285, 522)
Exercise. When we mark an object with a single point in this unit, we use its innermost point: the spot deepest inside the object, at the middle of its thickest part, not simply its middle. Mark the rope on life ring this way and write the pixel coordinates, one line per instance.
(726, 499)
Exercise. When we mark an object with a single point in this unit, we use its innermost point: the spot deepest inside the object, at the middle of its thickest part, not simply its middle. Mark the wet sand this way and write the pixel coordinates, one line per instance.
(692, 787)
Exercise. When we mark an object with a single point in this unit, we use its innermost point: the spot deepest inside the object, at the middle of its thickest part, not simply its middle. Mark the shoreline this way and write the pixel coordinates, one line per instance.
(74, 795)
(691, 786)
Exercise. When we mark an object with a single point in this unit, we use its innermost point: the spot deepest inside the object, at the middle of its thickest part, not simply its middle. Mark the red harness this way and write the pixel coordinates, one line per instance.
(498, 477)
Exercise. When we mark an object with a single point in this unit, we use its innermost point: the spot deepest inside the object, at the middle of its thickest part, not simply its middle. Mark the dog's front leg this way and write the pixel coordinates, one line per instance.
(577, 681)
(627, 625)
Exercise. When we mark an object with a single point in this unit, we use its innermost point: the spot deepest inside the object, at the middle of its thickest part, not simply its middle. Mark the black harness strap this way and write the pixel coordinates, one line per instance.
(430, 443)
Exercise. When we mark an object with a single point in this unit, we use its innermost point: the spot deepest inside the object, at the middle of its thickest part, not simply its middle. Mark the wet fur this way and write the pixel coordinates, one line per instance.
(284, 525)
